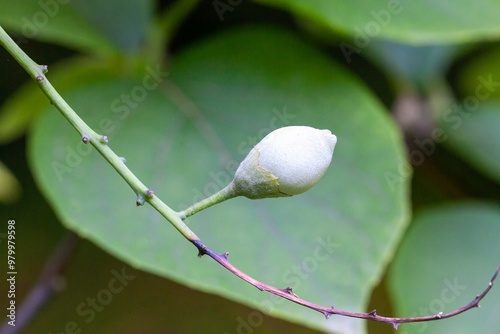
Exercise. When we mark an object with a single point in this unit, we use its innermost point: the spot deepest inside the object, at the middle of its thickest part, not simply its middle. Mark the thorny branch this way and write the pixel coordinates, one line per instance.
(287, 293)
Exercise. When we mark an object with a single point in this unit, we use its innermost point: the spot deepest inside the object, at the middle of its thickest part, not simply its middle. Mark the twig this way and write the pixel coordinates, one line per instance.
(46, 285)
(88, 135)
(144, 194)
(288, 293)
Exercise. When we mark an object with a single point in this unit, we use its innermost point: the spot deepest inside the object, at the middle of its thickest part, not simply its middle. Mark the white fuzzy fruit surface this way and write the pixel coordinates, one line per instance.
(297, 155)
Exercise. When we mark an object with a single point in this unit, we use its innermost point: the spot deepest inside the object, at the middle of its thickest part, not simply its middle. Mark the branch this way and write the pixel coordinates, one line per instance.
(100, 142)
(287, 293)
(46, 285)
(37, 72)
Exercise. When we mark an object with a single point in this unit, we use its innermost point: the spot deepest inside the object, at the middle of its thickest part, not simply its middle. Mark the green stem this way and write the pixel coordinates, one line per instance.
(37, 72)
(222, 195)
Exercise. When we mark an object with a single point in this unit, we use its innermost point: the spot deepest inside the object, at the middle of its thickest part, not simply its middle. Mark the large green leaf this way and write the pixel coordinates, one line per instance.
(77, 24)
(473, 133)
(423, 22)
(184, 139)
(445, 260)
(137, 304)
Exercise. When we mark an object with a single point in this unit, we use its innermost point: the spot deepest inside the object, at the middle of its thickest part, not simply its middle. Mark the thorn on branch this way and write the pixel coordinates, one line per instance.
(104, 139)
(289, 290)
(328, 314)
(222, 256)
(45, 68)
(123, 160)
(85, 139)
(39, 78)
(202, 249)
(140, 200)
(373, 313)
(149, 193)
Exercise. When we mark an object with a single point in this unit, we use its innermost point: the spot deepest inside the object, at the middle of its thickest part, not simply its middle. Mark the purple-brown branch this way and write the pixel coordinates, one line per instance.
(45, 287)
(287, 293)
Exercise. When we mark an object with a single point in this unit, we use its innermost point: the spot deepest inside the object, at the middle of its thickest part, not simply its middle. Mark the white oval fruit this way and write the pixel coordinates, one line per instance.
(286, 162)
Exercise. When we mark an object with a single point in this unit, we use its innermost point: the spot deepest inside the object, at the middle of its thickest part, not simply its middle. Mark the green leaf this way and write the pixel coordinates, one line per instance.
(419, 22)
(482, 69)
(473, 134)
(53, 21)
(414, 66)
(444, 261)
(184, 140)
(123, 22)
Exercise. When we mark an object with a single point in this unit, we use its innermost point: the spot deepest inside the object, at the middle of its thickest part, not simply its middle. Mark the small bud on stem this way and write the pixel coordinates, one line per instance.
(286, 162)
